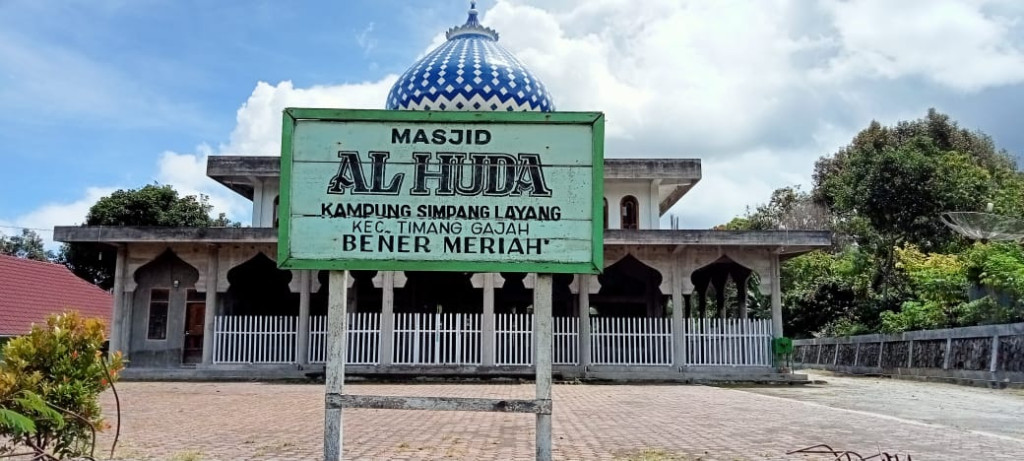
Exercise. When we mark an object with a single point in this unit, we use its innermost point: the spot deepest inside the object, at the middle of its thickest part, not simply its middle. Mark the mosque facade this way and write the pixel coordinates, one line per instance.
(670, 304)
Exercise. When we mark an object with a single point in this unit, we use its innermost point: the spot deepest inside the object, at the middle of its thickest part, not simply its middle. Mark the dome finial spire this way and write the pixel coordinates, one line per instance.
(472, 26)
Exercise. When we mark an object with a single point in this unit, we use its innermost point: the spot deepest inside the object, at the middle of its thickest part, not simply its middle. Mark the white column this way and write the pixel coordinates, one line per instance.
(542, 339)
(210, 313)
(776, 296)
(302, 340)
(741, 293)
(584, 317)
(678, 306)
(257, 202)
(387, 318)
(117, 323)
(487, 323)
(337, 305)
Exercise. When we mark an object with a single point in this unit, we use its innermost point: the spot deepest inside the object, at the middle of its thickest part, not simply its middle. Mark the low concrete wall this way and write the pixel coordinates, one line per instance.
(991, 355)
(702, 375)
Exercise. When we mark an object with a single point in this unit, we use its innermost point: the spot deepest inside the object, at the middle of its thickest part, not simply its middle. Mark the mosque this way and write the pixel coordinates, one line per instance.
(211, 302)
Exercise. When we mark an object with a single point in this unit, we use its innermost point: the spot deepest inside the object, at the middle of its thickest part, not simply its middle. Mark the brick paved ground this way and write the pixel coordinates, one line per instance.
(206, 421)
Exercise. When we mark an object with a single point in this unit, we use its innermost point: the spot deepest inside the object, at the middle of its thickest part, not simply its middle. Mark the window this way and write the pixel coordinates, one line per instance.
(605, 213)
(159, 298)
(630, 213)
(277, 203)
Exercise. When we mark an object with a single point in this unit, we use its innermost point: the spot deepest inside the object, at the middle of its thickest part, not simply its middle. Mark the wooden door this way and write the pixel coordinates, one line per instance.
(195, 319)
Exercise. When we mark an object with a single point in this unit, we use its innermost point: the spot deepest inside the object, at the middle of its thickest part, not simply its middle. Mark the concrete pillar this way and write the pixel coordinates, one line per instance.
(210, 313)
(487, 323)
(949, 351)
(387, 319)
(719, 282)
(257, 203)
(678, 306)
(584, 338)
(302, 341)
(993, 363)
(741, 295)
(776, 296)
(117, 323)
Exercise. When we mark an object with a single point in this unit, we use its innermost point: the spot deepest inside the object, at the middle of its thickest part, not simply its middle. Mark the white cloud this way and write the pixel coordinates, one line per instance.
(44, 218)
(258, 132)
(756, 89)
(365, 39)
(258, 128)
(964, 45)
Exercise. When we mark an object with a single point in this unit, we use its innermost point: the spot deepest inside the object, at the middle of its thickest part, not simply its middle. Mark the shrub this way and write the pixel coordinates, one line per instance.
(62, 364)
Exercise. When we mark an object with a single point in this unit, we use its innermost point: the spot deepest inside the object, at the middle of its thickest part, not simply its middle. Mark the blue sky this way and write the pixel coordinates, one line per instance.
(98, 95)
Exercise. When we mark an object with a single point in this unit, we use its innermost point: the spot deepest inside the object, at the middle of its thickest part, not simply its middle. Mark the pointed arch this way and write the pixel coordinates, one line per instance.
(629, 208)
(258, 287)
(716, 276)
(629, 288)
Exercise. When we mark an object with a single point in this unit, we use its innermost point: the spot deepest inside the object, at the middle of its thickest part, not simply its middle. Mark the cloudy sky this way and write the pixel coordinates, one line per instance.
(100, 95)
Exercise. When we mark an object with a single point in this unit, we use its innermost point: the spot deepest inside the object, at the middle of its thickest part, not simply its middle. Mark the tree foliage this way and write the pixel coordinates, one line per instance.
(894, 266)
(28, 245)
(53, 377)
(150, 205)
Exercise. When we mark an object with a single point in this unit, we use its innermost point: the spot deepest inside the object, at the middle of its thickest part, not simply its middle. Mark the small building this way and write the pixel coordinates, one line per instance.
(212, 302)
(32, 290)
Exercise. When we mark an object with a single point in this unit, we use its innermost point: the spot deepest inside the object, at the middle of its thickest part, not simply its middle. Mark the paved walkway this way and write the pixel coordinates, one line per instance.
(206, 421)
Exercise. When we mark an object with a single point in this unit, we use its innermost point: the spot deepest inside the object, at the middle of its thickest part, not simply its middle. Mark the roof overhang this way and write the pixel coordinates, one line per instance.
(113, 235)
(675, 176)
(787, 243)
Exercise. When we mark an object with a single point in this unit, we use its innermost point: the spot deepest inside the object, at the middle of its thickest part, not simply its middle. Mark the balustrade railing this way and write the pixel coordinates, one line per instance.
(456, 339)
(254, 339)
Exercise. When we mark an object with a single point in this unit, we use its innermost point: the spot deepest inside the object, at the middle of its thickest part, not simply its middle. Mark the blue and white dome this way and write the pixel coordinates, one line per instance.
(469, 72)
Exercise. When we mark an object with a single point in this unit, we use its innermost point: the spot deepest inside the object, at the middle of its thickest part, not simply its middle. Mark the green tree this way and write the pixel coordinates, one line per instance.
(150, 205)
(888, 187)
(28, 245)
(882, 195)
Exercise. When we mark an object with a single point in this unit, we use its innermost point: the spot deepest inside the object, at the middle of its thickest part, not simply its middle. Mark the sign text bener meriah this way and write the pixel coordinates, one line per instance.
(452, 191)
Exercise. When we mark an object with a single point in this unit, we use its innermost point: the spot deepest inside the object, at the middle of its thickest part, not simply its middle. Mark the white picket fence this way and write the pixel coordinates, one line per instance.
(513, 340)
(437, 339)
(363, 347)
(728, 342)
(455, 339)
(630, 341)
(566, 341)
(254, 339)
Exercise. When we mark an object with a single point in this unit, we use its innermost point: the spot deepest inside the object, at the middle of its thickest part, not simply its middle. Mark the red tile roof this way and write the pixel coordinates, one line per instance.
(31, 290)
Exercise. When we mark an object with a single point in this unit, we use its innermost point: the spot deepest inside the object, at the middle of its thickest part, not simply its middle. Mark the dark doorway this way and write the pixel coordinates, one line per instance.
(258, 287)
(433, 292)
(195, 319)
(629, 288)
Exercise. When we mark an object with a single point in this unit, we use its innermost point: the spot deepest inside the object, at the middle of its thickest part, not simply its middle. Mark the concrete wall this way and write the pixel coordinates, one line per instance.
(161, 273)
(615, 190)
(990, 354)
(265, 190)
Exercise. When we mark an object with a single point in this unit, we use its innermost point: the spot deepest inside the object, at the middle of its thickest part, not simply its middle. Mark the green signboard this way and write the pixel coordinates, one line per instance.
(445, 191)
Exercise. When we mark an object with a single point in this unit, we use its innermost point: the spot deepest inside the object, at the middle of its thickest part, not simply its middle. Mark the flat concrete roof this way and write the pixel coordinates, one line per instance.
(132, 234)
(238, 172)
(786, 241)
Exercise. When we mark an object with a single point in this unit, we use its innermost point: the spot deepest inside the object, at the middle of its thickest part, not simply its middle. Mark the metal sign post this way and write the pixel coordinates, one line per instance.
(440, 191)
(337, 307)
(542, 335)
